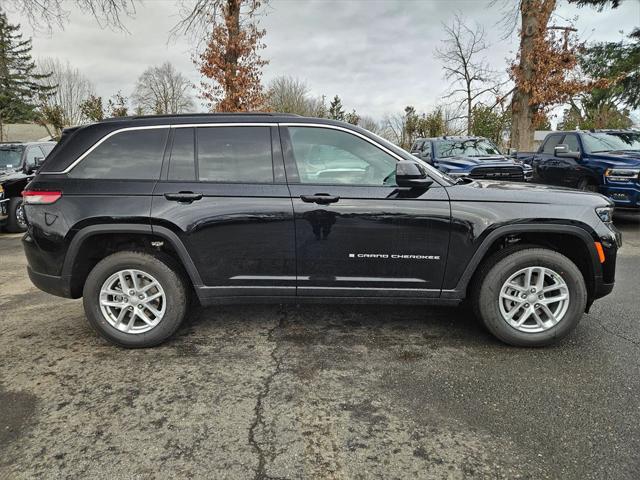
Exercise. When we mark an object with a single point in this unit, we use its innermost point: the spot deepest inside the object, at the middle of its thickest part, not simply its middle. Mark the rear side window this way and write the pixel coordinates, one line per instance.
(182, 162)
(234, 154)
(129, 155)
(551, 143)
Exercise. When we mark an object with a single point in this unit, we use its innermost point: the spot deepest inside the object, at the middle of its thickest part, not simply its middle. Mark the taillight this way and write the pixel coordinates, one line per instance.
(40, 197)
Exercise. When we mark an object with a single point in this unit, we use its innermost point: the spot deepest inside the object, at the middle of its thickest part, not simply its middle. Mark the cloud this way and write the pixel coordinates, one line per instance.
(377, 55)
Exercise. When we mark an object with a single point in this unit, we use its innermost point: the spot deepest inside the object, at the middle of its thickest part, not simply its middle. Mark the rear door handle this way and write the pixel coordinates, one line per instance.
(320, 198)
(186, 197)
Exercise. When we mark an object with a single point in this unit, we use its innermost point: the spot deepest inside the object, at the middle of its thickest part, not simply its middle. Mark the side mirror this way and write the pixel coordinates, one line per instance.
(411, 174)
(562, 151)
(38, 161)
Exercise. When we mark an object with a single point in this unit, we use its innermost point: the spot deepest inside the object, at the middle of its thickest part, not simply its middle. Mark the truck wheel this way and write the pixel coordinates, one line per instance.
(135, 299)
(529, 297)
(587, 185)
(16, 222)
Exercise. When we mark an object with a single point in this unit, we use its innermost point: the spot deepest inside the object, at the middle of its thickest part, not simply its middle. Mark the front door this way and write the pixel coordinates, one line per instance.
(357, 233)
(223, 193)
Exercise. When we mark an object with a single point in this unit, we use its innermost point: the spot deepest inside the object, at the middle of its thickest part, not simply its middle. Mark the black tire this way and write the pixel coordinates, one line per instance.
(16, 222)
(588, 185)
(497, 269)
(164, 270)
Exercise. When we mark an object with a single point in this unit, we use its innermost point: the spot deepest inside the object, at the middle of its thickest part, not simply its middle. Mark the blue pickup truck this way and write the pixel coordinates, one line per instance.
(605, 161)
(473, 157)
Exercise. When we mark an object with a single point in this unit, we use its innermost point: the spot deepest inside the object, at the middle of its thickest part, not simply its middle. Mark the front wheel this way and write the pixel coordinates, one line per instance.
(135, 299)
(529, 297)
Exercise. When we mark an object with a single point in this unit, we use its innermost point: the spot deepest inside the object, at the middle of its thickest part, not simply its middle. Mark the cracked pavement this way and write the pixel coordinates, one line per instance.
(331, 392)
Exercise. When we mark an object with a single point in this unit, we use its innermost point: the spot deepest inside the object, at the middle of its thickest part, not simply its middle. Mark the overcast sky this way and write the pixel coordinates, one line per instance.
(377, 55)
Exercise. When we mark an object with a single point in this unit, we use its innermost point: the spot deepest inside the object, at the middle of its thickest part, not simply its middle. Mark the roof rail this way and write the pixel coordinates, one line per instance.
(215, 114)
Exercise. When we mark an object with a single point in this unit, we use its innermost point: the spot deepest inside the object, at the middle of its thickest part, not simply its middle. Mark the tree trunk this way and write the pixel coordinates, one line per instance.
(534, 23)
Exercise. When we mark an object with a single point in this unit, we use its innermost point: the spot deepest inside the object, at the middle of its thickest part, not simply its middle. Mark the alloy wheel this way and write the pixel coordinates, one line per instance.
(132, 301)
(534, 299)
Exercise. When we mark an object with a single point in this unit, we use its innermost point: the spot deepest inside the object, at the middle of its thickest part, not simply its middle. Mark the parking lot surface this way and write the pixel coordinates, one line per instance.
(318, 392)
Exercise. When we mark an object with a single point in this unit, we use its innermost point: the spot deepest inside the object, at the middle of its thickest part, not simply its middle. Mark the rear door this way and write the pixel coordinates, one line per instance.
(357, 233)
(223, 193)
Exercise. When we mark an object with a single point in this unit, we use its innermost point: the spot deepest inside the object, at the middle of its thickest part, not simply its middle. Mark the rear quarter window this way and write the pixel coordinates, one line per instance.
(128, 155)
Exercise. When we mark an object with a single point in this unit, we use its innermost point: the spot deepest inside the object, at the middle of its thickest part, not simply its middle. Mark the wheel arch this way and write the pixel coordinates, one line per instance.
(557, 237)
(91, 243)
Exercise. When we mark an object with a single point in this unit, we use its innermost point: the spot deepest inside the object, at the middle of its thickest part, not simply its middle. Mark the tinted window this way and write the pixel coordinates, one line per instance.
(572, 142)
(182, 162)
(32, 154)
(551, 143)
(235, 154)
(330, 156)
(134, 155)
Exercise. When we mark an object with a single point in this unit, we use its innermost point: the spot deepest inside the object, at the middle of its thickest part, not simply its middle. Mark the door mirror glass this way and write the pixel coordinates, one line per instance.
(411, 174)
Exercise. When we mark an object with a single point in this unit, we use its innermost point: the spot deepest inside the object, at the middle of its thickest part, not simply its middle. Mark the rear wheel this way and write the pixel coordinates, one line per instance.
(135, 299)
(529, 297)
(16, 222)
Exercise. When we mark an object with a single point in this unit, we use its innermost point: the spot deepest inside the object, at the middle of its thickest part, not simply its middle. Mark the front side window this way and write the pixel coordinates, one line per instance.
(235, 154)
(334, 157)
(571, 141)
(551, 143)
(128, 155)
(33, 154)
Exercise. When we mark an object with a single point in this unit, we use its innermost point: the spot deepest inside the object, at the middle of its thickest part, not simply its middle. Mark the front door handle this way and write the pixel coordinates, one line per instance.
(320, 198)
(186, 197)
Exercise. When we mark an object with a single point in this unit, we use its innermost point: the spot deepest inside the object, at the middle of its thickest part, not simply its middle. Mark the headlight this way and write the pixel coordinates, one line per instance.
(622, 174)
(605, 214)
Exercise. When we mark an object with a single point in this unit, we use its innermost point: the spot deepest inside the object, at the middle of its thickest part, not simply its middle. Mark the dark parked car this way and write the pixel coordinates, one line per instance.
(135, 215)
(473, 157)
(18, 164)
(605, 161)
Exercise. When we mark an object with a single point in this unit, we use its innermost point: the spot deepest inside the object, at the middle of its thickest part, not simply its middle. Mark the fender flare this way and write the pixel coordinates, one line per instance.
(461, 286)
(83, 234)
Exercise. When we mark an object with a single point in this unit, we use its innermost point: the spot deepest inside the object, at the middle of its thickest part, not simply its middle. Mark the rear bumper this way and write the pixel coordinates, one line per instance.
(59, 286)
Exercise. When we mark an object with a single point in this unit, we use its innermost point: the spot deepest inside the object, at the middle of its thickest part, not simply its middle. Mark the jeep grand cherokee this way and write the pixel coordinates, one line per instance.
(135, 215)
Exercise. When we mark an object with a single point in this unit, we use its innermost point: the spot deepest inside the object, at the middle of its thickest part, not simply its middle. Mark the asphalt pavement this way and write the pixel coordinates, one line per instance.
(330, 392)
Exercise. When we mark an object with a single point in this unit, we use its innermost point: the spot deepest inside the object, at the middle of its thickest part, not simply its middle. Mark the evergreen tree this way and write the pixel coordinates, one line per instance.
(335, 109)
(20, 90)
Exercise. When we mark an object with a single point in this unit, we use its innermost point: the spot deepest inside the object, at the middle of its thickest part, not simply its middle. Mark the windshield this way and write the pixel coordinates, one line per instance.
(473, 147)
(598, 142)
(10, 156)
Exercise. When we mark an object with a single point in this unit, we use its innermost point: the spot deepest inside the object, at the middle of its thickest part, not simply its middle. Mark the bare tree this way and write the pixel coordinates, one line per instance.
(70, 89)
(161, 90)
(291, 95)
(50, 13)
(464, 64)
(369, 123)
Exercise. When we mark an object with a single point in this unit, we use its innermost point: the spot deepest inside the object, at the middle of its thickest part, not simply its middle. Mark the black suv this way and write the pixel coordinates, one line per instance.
(18, 164)
(137, 214)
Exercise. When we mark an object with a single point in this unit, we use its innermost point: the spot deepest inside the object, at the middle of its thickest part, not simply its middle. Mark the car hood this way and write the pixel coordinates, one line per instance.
(621, 159)
(467, 163)
(516, 192)
(7, 175)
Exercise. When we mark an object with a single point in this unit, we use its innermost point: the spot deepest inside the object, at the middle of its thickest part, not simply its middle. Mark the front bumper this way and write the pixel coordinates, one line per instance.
(623, 195)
